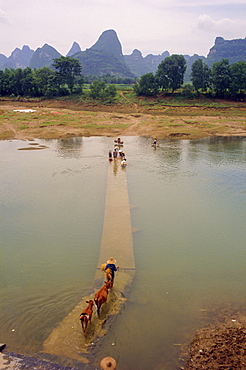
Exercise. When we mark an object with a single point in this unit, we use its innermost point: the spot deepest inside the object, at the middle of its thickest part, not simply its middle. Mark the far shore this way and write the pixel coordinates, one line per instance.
(56, 119)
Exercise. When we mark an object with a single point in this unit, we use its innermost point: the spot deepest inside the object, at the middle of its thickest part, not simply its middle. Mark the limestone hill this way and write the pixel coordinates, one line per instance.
(106, 56)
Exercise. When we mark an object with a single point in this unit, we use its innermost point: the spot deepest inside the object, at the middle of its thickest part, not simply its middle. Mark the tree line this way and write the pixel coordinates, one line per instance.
(222, 80)
(49, 82)
(65, 77)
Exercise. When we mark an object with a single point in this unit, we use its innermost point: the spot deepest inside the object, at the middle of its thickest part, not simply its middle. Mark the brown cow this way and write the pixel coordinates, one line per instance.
(85, 316)
(102, 295)
(109, 277)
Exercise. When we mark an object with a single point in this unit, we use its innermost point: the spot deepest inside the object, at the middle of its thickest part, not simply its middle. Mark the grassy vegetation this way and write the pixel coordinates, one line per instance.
(179, 101)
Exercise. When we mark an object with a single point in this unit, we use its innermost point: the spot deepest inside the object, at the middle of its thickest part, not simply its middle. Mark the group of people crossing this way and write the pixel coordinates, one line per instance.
(117, 152)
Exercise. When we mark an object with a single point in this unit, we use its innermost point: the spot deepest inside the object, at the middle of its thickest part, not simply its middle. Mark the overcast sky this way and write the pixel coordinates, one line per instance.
(151, 26)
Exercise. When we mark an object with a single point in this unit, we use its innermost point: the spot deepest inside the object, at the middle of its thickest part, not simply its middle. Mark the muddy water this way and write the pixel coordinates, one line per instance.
(190, 200)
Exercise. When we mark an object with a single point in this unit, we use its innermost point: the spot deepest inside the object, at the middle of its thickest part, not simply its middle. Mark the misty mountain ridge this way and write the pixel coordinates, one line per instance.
(233, 50)
(43, 57)
(74, 49)
(19, 58)
(106, 56)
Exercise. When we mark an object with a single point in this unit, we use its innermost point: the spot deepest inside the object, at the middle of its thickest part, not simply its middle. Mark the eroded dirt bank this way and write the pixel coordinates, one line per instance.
(219, 345)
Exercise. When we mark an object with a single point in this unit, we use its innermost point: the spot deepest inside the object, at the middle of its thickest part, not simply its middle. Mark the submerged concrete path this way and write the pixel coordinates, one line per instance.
(116, 239)
(117, 242)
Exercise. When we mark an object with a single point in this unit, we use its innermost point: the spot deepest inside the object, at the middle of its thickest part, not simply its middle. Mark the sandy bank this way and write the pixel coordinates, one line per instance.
(53, 119)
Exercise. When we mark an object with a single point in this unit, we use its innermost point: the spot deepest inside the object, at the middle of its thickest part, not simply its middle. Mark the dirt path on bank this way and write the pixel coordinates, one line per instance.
(58, 119)
(136, 106)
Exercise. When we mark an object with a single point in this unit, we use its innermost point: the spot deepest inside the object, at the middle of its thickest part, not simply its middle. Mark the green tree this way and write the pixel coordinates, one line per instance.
(5, 87)
(170, 72)
(1, 83)
(188, 91)
(110, 91)
(147, 85)
(16, 82)
(221, 78)
(68, 69)
(12, 81)
(28, 84)
(44, 80)
(97, 88)
(238, 78)
(100, 90)
(200, 75)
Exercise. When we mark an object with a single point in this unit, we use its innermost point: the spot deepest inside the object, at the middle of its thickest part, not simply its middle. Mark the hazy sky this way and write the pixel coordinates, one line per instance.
(152, 26)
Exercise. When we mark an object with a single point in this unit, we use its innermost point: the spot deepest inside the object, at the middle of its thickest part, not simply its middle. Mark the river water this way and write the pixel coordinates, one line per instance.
(190, 211)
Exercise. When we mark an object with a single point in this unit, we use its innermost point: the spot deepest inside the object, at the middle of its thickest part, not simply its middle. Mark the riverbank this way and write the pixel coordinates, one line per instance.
(55, 119)
(221, 345)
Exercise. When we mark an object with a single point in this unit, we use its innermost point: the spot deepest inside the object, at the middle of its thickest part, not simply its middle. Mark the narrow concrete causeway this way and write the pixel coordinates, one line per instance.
(116, 239)
(68, 339)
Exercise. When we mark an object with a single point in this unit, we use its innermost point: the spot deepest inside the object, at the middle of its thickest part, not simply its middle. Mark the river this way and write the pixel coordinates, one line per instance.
(189, 201)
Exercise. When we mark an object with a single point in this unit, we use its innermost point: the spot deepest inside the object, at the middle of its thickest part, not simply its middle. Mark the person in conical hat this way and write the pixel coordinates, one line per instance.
(111, 261)
(111, 265)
